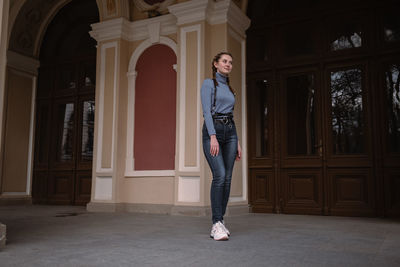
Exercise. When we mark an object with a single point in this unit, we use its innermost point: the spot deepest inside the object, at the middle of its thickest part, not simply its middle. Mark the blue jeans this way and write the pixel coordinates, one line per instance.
(221, 165)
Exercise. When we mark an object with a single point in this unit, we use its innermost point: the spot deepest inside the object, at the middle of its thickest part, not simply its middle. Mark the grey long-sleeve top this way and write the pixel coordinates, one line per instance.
(224, 103)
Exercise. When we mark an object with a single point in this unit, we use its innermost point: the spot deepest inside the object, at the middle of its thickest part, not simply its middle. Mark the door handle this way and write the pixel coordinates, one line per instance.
(319, 147)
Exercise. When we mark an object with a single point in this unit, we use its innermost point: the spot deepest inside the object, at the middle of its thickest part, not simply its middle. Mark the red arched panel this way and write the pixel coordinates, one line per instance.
(155, 109)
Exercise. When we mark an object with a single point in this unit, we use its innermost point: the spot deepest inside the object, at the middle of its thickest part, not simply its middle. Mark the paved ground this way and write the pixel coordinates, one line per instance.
(70, 236)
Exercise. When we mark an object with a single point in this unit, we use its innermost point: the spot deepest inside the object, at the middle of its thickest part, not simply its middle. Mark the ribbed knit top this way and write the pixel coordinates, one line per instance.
(224, 103)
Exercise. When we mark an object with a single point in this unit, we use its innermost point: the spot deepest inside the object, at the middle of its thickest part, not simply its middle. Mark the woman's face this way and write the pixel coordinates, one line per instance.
(224, 64)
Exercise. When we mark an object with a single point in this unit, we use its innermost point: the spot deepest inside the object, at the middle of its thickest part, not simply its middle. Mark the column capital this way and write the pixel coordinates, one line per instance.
(190, 11)
(224, 11)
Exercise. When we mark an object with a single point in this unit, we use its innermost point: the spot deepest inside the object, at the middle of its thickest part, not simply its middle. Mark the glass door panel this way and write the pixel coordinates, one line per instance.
(88, 109)
(392, 81)
(64, 132)
(347, 123)
(300, 110)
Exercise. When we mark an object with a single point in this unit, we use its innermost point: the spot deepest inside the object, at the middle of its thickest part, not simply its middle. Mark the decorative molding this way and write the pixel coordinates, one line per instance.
(189, 189)
(23, 63)
(130, 136)
(182, 98)
(190, 11)
(99, 168)
(103, 188)
(224, 11)
(121, 28)
(142, 6)
(155, 173)
(154, 32)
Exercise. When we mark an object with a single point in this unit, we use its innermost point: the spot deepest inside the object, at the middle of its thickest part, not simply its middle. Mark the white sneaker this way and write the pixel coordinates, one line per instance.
(225, 229)
(218, 232)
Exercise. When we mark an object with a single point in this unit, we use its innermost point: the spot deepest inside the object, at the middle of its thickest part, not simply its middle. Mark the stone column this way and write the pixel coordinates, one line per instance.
(204, 29)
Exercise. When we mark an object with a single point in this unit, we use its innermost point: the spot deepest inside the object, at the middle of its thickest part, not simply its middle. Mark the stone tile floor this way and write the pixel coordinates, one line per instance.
(71, 236)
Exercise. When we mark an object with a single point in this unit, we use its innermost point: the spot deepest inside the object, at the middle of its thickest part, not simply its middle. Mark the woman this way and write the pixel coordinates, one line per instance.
(220, 142)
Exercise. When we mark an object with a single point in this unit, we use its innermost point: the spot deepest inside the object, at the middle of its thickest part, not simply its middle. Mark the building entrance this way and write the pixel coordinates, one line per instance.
(323, 105)
(65, 108)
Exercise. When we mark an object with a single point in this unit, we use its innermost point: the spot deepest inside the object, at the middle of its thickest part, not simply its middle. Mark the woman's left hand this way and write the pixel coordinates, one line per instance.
(239, 152)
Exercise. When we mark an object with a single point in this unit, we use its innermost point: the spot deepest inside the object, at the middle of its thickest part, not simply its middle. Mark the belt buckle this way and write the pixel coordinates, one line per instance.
(225, 120)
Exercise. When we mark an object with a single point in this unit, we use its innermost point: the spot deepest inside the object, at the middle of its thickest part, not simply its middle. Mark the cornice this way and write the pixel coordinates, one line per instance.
(226, 11)
(190, 11)
(121, 28)
(223, 11)
(23, 63)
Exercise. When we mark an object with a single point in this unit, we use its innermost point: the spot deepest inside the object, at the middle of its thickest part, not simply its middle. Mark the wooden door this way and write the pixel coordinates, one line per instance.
(65, 133)
(301, 142)
(65, 104)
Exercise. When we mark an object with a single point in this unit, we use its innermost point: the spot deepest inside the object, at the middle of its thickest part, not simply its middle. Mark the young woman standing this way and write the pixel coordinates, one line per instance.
(220, 142)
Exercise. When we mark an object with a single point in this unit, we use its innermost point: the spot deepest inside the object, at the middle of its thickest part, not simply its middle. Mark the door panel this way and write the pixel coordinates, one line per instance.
(302, 191)
(83, 186)
(59, 187)
(301, 139)
(352, 192)
(263, 188)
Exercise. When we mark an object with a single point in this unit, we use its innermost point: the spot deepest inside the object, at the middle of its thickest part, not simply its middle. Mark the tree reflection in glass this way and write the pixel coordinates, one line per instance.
(393, 107)
(66, 131)
(346, 41)
(88, 130)
(300, 107)
(391, 28)
(347, 112)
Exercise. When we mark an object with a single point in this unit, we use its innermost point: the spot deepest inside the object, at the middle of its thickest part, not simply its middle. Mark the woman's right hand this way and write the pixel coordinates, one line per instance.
(214, 146)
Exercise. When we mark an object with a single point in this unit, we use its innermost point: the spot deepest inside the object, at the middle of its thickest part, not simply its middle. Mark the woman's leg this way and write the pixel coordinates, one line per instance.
(229, 151)
(217, 167)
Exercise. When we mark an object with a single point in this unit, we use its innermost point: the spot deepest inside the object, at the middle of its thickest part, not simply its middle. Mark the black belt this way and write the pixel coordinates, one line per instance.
(223, 118)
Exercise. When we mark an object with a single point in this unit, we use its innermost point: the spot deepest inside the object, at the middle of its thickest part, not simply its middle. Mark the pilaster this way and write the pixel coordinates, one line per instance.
(204, 29)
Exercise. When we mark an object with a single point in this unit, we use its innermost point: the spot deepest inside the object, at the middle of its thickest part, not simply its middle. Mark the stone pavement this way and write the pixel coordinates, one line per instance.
(71, 236)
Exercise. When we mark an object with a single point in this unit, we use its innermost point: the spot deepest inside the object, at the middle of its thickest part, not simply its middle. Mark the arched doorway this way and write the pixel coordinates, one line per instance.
(65, 105)
(323, 89)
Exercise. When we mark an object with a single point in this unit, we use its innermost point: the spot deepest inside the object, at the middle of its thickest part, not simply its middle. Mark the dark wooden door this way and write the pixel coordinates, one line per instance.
(65, 108)
(310, 141)
(65, 132)
(323, 107)
(301, 140)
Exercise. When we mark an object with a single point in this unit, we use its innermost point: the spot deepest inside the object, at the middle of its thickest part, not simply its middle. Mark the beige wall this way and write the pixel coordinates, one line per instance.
(197, 42)
(148, 190)
(17, 130)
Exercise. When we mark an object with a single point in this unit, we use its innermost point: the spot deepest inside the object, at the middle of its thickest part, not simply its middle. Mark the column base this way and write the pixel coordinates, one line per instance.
(2, 236)
(164, 209)
(15, 200)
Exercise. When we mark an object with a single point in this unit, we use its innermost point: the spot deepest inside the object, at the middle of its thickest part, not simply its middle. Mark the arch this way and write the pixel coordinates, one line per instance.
(129, 166)
(146, 44)
(50, 12)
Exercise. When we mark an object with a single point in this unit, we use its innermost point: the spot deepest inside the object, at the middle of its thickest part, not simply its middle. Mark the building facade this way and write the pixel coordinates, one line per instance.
(100, 104)
(115, 122)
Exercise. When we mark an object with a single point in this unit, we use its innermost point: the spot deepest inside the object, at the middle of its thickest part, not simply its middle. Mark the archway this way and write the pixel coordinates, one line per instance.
(65, 105)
